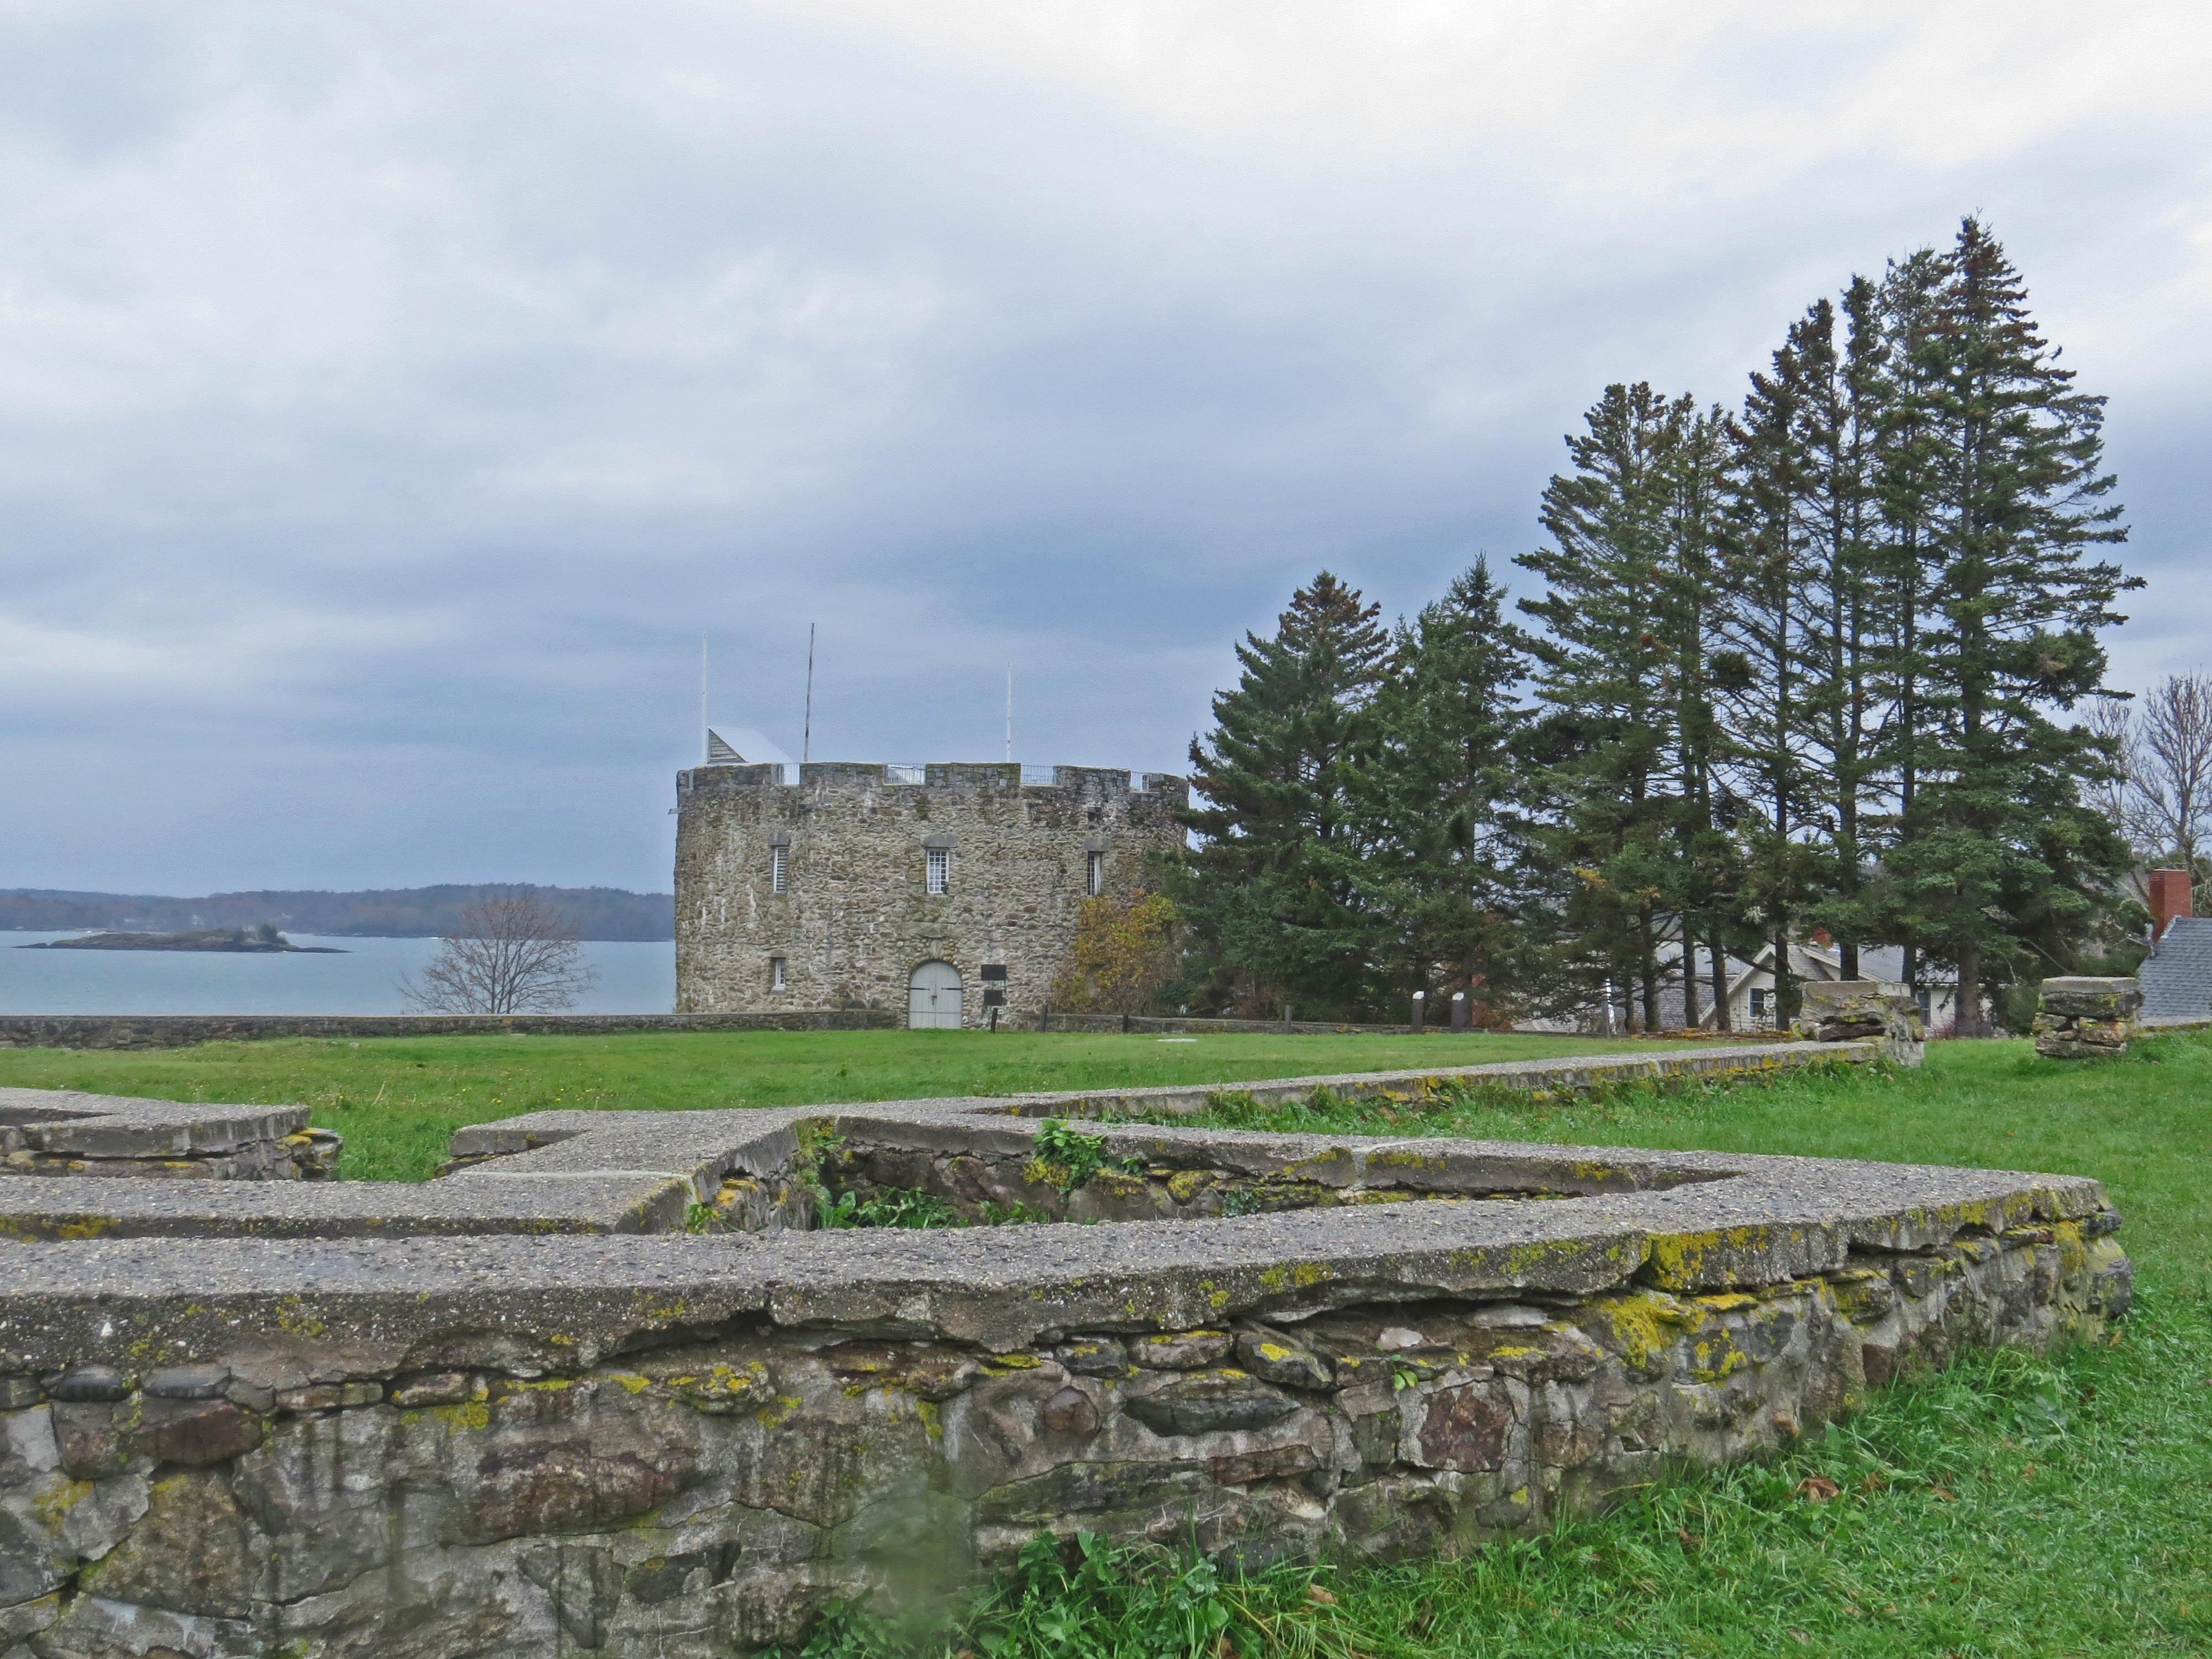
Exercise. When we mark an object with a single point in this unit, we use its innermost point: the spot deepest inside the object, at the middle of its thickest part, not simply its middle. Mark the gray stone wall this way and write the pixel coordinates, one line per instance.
(286, 1419)
(182, 1030)
(855, 918)
(61, 1133)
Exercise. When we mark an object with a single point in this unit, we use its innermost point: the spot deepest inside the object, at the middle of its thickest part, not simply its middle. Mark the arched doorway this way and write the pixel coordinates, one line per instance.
(932, 998)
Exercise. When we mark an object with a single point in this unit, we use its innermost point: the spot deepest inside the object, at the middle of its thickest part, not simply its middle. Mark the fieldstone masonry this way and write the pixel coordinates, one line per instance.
(1851, 1010)
(604, 1389)
(2079, 1018)
(52, 1131)
(855, 917)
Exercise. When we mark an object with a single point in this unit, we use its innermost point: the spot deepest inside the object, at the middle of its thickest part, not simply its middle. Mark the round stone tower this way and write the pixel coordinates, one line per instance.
(940, 892)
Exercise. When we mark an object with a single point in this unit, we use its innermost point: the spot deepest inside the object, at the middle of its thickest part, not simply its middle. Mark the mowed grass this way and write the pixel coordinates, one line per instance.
(398, 1100)
(2011, 1506)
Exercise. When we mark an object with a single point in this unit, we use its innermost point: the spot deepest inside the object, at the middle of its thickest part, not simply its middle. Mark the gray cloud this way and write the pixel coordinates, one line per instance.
(389, 396)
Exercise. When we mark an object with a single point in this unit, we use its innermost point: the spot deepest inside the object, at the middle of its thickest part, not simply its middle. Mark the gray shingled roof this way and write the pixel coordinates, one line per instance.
(2177, 975)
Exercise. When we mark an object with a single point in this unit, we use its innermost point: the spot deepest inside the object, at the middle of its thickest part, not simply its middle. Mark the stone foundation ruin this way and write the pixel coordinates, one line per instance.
(606, 1386)
(2083, 1018)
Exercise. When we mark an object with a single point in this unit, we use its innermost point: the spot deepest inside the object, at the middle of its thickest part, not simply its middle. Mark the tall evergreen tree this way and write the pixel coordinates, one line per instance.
(1601, 676)
(1998, 861)
(1839, 407)
(1273, 892)
(1767, 676)
(1903, 561)
(1444, 801)
(1695, 605)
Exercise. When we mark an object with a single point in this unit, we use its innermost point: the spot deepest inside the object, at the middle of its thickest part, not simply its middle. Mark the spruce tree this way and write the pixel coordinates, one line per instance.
(1998, 861)
(1838, 398)
(1902, 564)
(1766, 676)
(1610, 713)
(1274, 893)
(1444, 802)
(1693, 589)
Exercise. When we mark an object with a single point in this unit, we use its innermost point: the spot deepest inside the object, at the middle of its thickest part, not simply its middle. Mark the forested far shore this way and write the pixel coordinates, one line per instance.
(595, 913)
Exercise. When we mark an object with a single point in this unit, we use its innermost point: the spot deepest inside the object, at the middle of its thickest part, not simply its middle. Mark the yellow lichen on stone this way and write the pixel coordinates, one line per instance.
(1727, 1300)
(52, 1505)
(293, 1319)
(1643, 1324)
(774, 1412)
(2073, 1249)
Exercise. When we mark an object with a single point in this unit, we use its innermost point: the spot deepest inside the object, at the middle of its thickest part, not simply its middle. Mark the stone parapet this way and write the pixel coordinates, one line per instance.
(609, 1387)
(2081, 1018)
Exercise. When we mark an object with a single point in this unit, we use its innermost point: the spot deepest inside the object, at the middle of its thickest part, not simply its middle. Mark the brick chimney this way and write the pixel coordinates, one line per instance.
(2169, 899)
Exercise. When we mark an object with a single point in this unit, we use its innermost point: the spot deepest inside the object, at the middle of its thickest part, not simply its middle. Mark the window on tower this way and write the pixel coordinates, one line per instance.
(939, 869)
(1094, 874)
(779, 868)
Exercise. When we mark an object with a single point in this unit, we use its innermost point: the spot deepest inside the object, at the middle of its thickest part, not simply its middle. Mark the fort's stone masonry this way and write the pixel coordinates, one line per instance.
(855, 918)
(602, 1389)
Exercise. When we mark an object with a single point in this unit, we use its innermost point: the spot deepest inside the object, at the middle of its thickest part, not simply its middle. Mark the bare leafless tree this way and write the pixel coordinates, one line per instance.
(2162, 799)
(508, 954)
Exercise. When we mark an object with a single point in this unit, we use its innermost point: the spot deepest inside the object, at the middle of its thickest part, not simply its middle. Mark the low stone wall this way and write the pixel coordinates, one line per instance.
(1854, 1010)
(58, 1133)
(1175, 1024)
(180, 1030)
(437, 1421)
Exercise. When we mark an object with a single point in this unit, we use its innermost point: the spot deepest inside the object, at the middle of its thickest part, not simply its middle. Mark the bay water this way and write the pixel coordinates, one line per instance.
(635, 978)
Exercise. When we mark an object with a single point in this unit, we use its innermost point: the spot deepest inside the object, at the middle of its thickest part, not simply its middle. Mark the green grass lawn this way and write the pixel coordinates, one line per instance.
(2011, 1506)
(398, 1100)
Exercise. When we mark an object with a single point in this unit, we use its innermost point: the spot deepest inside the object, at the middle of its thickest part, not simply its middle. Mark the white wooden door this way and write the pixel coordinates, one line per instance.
(932, 998)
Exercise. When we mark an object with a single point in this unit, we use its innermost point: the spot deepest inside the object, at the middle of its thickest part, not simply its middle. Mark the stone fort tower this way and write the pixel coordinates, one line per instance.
(940, 891)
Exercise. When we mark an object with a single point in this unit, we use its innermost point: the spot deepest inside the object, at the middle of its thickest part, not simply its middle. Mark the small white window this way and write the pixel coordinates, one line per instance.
(779, 866)
(1757, 1004)
(1094, 874)
(940, 869)
(779, 975)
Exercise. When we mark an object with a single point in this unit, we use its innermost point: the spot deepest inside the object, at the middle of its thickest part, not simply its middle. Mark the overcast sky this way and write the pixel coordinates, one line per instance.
(390, 394)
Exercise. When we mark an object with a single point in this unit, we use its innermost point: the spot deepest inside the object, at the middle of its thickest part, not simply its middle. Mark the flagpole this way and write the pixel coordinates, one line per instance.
(806, 739)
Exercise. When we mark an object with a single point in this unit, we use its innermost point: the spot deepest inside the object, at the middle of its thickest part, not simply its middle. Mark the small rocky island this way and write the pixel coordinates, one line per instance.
(264, 940)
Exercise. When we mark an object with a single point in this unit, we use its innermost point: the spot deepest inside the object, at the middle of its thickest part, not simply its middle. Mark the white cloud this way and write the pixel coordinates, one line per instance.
(394, 391)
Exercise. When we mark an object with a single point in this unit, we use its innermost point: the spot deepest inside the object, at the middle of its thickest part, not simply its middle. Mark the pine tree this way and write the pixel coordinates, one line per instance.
(1609, 731)
(1997, 859)
(1838, 404)
(1903, 559)
(1444, 801)
(1694, 605)
(1273, 893)
(1767, 675)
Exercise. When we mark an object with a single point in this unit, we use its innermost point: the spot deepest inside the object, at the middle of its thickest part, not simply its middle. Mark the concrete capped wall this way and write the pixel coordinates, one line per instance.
(602, 1389)
(856, 919)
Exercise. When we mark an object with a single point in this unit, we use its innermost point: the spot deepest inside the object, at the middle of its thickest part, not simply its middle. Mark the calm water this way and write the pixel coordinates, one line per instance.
(633, 978)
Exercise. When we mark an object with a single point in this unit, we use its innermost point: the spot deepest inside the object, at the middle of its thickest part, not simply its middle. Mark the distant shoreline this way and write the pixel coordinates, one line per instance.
(222, 940)
(611, 914)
